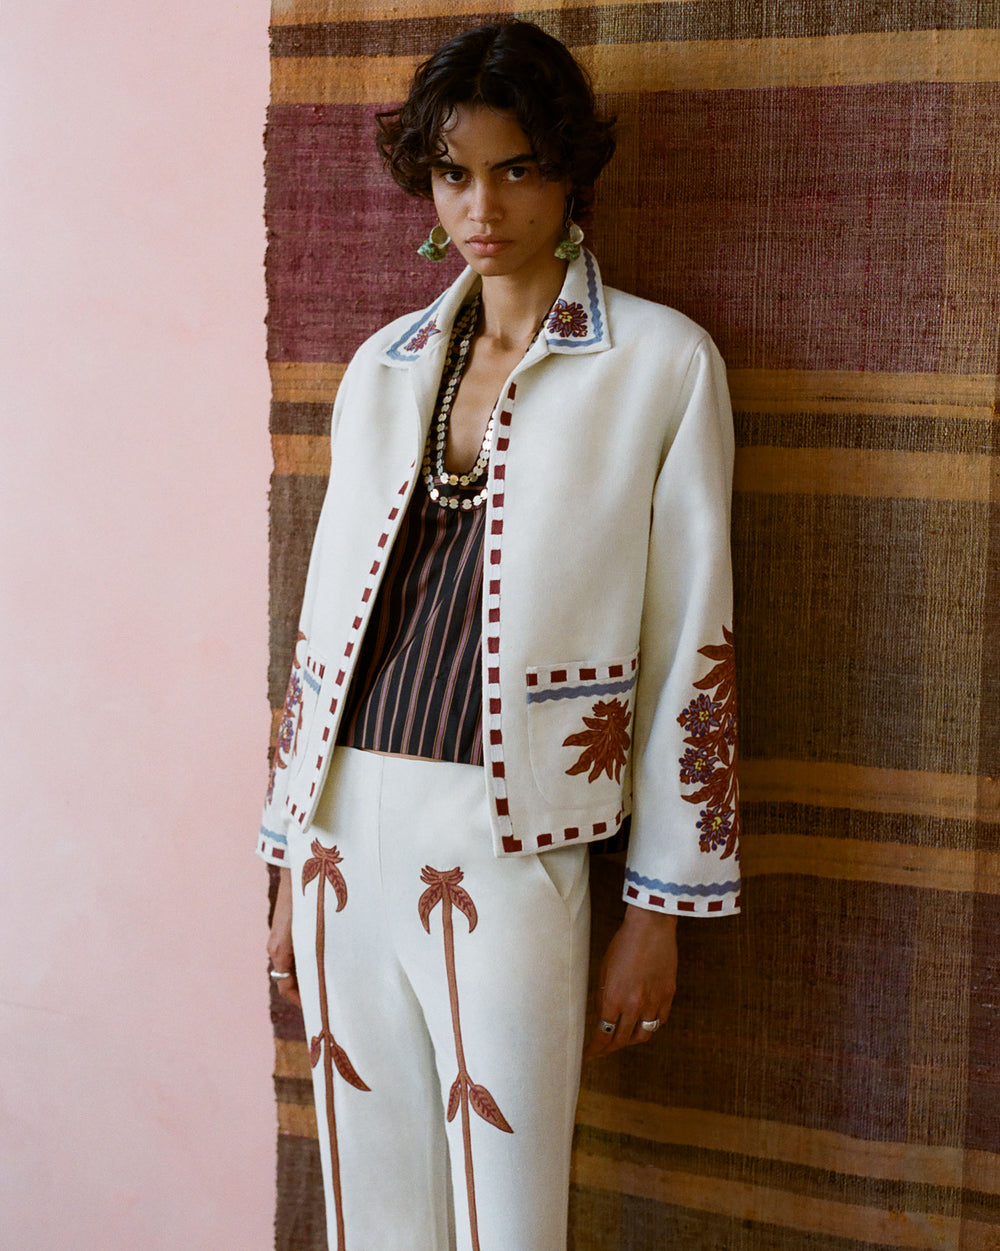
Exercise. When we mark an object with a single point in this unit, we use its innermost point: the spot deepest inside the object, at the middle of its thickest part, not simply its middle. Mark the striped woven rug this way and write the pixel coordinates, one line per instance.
(818, 185)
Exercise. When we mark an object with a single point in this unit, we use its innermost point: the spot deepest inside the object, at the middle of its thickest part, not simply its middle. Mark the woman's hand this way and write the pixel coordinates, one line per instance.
(279, 942)
(637, 980)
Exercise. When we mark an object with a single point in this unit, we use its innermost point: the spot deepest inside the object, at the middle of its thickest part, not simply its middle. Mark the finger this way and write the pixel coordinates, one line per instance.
(601, 1040)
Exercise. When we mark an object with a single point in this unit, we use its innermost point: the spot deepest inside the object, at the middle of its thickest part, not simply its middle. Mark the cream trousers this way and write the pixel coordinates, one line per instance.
(443, 992)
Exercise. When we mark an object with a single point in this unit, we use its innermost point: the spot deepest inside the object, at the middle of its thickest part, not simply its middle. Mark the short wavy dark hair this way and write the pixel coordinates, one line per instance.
(510, 66)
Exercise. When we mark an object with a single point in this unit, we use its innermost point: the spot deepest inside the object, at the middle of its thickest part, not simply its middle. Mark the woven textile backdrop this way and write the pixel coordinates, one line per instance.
(817, 184)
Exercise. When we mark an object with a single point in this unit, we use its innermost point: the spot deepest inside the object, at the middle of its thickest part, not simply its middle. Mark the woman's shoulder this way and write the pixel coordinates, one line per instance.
(632, 317)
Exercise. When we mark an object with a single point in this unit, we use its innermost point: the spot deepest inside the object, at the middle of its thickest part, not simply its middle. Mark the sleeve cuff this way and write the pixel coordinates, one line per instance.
(272, 847)
(712, 900)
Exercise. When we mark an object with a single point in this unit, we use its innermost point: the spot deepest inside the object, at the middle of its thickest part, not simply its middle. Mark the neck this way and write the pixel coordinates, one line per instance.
(512, 310)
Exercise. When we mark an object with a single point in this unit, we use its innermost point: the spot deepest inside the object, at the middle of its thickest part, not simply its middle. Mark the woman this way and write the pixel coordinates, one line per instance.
(514, 632)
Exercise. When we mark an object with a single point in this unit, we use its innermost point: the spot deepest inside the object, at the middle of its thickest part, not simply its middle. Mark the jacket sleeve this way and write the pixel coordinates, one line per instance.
(272, 841)
(683, 849)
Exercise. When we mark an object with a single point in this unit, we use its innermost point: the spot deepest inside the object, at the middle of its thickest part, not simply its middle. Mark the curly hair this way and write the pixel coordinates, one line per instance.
(510, 66)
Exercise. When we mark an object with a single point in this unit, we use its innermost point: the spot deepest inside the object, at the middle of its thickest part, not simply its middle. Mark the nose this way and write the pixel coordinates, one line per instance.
(484, 206)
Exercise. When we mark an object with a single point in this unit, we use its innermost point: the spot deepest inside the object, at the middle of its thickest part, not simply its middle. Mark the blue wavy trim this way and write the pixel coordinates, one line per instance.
(273, 837)
(394, 352)
(574, 692)
(597, 321)
(310, 679)
(675, 888)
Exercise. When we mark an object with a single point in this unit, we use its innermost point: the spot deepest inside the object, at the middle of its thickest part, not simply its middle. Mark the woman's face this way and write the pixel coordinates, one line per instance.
(502, 215)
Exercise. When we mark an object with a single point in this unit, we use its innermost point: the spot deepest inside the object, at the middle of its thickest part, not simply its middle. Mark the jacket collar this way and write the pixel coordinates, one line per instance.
(577, 322)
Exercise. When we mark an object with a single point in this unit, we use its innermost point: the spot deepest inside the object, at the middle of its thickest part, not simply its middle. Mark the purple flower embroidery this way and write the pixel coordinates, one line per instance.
(709, 763)
(700, 717)
(696, 765)
(567, 321)
(419, 340)
(715, 826)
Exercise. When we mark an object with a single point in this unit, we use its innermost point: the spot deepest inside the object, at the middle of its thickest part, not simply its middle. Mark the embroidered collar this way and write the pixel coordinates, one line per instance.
(577, 322)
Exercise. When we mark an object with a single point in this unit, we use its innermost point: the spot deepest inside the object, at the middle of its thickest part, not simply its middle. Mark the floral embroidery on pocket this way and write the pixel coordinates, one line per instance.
(422, 337)
(709, 763)
(605, 741)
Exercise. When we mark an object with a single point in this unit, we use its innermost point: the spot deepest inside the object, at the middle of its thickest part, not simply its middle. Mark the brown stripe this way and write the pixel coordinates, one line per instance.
(293, 12)
(771, 1206)
(313, 30)
(837, 60)
(864, 472)
(792, 1144)
(291, 1058)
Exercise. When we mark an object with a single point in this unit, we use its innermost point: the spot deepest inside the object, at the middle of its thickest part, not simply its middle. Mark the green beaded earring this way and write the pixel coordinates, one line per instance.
(568, 248)
(435, 245)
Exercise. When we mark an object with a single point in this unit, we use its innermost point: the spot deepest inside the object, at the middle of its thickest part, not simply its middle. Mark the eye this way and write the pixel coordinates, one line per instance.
(450, 176)
(517, 173)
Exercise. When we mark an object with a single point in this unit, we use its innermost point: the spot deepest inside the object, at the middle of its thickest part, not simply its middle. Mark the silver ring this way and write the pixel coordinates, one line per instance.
(606, 1027)
(649, 1026)
(280, 976)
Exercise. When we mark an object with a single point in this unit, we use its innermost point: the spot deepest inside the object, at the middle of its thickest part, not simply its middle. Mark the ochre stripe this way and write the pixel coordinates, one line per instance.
(831, 60)
(767, 1205)
(293, 12)
(301, 453)
(291, 1058)
(863, 472)
(305, 382)
(297, 1119)
(955, 795)
(831, 391)
(791, 1144)
(892, 864)
(753, 390)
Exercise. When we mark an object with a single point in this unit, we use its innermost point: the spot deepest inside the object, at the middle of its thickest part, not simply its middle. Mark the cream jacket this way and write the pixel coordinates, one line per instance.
(608, 683)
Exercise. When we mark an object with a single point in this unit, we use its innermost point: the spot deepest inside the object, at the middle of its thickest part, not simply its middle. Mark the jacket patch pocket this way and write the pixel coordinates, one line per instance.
(580, 731)
(297, 717)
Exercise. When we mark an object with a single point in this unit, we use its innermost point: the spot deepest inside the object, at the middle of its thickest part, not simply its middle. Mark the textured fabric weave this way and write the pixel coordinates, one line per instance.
(817, 185)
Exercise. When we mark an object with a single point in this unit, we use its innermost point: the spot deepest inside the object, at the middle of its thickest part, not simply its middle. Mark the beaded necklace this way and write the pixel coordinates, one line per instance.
(434, 473)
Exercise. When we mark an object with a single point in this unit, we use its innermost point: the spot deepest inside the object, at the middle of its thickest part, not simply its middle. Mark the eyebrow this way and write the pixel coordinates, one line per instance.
(522, 158)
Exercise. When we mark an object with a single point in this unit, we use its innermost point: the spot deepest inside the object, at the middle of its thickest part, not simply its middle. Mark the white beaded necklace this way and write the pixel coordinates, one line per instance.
(435, 474)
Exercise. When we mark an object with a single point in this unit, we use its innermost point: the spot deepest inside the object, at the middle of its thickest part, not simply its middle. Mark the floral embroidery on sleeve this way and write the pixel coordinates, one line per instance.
(419, 340)
(605, 741)
(291, 718)
(709, 763)
(568, 321)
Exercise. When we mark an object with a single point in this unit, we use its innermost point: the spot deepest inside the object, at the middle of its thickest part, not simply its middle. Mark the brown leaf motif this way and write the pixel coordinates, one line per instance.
(315, 1049)
(444, 883)
(344, 1067)
(605, 741)
(709, 763)
(484, 1105)
(454, 1097)
(326, 859)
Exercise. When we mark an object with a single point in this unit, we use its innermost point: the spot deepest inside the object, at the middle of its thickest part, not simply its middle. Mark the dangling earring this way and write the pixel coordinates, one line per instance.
(568, 247)
(435, 245)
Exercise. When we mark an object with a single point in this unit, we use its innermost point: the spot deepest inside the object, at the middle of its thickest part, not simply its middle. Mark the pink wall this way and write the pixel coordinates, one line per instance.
(135, 1103)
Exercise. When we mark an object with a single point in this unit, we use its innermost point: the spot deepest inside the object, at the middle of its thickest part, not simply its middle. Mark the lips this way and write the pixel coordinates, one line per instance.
(485, 245)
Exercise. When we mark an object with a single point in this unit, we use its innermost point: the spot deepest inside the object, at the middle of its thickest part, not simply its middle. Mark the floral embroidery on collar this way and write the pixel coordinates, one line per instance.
(567, 321)
(419, 340)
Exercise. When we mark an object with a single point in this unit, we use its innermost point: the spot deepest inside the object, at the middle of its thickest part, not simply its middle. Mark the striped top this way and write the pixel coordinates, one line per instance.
(417, 687)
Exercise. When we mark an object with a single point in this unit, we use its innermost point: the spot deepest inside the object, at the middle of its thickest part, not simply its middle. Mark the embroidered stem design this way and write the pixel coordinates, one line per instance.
(443, 887)
(710, 760)
(324, 865)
